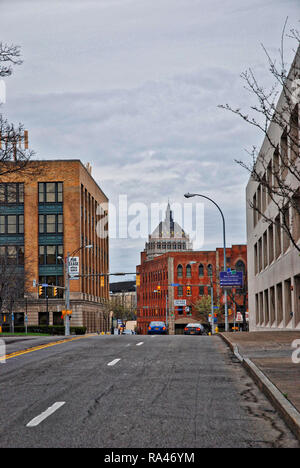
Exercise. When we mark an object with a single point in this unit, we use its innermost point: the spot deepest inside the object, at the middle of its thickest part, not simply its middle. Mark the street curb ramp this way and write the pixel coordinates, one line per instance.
(288, 412)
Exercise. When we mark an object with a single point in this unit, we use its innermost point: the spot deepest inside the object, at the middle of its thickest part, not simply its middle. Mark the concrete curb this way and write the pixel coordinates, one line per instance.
(288, 412)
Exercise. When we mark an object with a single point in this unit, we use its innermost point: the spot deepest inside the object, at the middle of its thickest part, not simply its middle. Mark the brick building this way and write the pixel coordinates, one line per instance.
(48, 210)
(186, 275)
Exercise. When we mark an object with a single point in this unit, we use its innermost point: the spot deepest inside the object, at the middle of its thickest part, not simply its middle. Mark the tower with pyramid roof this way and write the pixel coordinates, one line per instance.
(168, 236)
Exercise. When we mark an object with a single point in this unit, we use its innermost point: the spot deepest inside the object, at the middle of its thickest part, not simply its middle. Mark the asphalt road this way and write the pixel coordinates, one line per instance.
(134, 392)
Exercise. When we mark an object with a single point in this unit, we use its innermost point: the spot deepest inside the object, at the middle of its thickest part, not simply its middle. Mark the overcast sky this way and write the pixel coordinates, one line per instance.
(132, 86)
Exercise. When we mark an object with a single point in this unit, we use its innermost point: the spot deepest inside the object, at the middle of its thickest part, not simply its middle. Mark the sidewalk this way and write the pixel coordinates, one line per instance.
(267, 356)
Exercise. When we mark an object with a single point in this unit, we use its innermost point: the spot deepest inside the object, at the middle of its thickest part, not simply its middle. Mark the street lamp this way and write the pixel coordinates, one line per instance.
(190, 195)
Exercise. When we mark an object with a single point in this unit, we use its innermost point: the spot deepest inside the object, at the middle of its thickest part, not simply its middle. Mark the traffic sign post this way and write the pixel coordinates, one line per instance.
(231, 279)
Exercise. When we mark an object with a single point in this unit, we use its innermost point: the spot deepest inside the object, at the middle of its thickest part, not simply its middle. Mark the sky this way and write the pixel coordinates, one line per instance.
(133, 88)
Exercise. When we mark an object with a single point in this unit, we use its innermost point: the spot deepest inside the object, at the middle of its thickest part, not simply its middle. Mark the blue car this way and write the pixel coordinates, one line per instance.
(157, 328)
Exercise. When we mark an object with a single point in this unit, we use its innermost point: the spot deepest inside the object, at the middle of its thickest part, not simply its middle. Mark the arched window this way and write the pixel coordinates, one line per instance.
(209, 270)
(188, 271)
(179, 271)
(201, 270)
(240, 266)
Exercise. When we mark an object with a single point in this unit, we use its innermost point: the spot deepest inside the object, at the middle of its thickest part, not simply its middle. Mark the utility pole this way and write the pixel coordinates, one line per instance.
(212, 306)
(67, 295)
(167, 310)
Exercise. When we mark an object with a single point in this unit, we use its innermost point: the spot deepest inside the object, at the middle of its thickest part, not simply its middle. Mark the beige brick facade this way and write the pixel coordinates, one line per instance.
(79, 209)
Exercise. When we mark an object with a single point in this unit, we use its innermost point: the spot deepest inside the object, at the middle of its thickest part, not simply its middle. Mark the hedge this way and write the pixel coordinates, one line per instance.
(46, 329)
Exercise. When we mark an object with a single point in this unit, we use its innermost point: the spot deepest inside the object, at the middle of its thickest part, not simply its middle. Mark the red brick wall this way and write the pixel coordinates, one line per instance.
(152, 306)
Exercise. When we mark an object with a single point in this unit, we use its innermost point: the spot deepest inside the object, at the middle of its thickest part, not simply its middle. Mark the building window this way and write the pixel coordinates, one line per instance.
(12, 224)
(209, 270)
(50, 192)
(240, 266)
(12, 255)
(179, 271)
(201, 290)
(12, 193)
(201, 270)
(48, 254)
(188, 271)
(180, 291)
(51, 224)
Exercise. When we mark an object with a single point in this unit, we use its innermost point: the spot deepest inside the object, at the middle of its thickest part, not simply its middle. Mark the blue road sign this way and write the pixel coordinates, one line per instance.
(230, 280)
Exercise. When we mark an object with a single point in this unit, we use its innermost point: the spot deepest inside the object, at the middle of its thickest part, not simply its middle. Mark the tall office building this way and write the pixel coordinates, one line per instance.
(48, 210)
(273, 258)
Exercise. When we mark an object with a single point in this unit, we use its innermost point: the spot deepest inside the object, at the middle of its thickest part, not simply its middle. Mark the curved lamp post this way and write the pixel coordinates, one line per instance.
(191, 195)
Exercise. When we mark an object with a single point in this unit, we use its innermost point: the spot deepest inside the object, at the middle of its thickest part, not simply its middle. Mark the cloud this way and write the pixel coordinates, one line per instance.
(134, 86)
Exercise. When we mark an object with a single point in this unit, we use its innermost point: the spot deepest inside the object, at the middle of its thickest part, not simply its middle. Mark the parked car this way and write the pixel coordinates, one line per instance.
(157, 328)
(194, 329)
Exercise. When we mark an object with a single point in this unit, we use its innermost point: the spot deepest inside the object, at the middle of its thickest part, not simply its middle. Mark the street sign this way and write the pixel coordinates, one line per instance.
(180, 302)
(187, 309)
(231, 280)
(174, 284)
(74, 267)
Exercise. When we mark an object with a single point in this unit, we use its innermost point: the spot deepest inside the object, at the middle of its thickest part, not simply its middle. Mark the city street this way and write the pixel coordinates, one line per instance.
(134, 392)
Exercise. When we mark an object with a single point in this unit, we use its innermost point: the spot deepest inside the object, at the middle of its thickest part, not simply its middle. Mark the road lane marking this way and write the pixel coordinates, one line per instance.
(140, 343)
(112, 363)
(38, 419)
(37, 348)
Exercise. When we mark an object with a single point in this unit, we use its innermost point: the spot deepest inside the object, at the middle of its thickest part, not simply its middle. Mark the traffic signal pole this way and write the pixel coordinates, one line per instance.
(67, 295)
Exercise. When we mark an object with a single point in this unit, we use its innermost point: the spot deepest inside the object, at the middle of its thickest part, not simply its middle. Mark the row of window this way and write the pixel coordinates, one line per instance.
(155, 276)
(14, 224)
(49, 192)
(152, 295)
(188, 271)
(166, 245)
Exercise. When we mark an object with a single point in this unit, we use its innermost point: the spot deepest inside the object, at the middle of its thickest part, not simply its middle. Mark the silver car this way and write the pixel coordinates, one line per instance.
(194, 329)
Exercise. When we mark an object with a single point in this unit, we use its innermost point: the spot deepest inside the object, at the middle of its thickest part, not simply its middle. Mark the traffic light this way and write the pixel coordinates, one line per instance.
(54, 291)
(102, 281)
(40, 290)
(159, 289)
(188, 290)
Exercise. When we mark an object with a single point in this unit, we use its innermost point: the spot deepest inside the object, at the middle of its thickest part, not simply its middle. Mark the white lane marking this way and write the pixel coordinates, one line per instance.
(38, 419)
(140, 343)
(112, 363)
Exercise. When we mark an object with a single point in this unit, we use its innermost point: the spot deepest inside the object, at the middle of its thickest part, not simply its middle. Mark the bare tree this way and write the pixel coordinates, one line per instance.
(11, 279)
(278, 178)
(14, 152)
